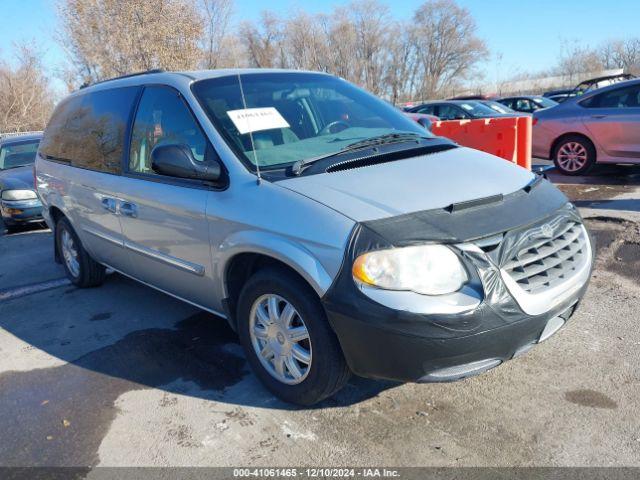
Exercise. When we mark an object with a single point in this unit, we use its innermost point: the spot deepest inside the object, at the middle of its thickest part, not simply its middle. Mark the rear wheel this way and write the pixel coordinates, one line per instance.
(81, 269)
(288, 340)
(574, 155)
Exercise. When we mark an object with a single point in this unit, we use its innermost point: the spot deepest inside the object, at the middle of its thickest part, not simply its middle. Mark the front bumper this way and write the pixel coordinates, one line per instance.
(18, 212)
(376, 352)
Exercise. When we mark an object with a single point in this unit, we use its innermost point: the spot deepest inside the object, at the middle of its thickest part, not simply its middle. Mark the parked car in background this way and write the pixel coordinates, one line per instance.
(457, 110)
(559, 98)
(498, 107)
(321, 222)
(423, 119)
(527, 103)
(599, 82)
(600, 126)
(19, 204)
(557, 92)
(587, 85)
(471, 97)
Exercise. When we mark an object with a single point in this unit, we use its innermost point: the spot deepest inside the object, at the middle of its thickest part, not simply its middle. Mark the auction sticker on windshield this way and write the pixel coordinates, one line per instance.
(256, 119)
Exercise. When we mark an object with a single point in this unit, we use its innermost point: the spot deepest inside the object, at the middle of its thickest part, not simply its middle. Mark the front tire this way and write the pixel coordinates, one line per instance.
(287, 338)
(574, 155)
(81, 269)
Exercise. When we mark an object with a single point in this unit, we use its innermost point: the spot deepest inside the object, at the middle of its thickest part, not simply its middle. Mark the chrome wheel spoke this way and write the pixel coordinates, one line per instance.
(298, 334)
(260, 332)
(292, 367)
(272, 308)
(301, 354)
(263, 317)
(279, 365)
(267, 352)
(288, 312)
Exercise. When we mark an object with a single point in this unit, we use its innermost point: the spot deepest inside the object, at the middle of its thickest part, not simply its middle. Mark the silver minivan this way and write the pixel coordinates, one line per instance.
(334, 234)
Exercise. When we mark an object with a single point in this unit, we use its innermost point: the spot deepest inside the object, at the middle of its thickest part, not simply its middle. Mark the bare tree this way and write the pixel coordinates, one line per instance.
(402, 67)
(371, 22)
(623, 54)
(264, 41)
(26, 98)
(576, 59)
(105, 38)
(446, 44)
(306, 42)
(215, 43)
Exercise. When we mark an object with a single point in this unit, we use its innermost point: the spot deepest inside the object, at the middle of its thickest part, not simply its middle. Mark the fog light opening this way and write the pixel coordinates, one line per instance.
(552, 327)
(461, 371)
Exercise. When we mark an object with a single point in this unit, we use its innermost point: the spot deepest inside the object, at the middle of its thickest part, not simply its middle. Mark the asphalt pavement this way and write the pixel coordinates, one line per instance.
(125, 375)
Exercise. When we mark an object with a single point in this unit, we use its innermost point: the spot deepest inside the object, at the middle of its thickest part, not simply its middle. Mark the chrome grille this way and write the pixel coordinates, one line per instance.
(547, 262)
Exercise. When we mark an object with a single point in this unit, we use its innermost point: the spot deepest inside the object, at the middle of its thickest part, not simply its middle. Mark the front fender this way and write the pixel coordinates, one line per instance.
(292, 253)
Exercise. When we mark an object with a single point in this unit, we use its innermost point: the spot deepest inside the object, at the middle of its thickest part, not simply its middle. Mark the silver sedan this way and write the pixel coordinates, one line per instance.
(601, 126)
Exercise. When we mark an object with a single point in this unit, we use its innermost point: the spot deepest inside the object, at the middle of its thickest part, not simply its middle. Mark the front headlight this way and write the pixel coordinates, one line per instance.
(19, 195)
(425, 269)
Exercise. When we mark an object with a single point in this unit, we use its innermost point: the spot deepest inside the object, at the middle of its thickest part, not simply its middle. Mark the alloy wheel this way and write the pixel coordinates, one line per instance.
(280, 339)
(572, 156)
(70, 253)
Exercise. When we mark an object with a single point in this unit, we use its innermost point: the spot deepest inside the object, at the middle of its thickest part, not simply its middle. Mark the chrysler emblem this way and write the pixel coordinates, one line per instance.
(546, 230)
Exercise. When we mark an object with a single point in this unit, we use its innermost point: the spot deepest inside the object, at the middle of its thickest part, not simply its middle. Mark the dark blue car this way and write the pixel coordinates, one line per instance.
(19, 203)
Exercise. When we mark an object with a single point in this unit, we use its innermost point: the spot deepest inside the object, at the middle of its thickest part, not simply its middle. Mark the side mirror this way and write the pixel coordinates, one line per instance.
(425, 122)
(178, 161)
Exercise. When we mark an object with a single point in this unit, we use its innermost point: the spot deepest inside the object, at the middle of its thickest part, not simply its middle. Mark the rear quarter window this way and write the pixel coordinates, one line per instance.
(88, 130)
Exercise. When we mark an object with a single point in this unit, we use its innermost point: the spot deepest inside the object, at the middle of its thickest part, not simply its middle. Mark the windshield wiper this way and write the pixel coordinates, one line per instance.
(387, 138)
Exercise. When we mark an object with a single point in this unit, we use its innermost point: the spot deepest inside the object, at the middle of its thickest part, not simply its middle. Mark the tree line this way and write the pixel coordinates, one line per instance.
(434, 53)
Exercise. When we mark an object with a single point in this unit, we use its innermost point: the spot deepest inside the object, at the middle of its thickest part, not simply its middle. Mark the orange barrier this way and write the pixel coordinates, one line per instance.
(509, 138)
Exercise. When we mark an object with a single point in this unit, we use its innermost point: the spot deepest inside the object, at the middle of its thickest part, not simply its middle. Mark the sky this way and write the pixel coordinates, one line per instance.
(525, 34)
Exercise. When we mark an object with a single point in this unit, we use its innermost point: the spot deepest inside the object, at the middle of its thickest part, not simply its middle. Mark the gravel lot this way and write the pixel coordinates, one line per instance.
(124, 375)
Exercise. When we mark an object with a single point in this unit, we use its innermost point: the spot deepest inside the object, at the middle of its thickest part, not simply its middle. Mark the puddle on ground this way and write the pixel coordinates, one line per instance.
(626, 261)
(590, 398)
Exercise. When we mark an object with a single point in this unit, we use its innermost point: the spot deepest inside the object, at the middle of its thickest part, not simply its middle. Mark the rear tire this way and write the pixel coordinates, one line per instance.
(310, 370)
(81, 269)
(574, 155)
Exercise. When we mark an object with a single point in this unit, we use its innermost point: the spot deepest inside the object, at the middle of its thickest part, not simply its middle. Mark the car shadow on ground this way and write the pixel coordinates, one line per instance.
(200, 351)
(23, 229)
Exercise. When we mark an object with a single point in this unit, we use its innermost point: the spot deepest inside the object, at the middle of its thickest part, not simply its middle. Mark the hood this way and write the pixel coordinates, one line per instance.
(411, 185)
(17, 178)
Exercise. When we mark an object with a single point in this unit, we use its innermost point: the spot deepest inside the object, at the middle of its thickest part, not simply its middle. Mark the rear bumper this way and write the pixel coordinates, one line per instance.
(19, 212)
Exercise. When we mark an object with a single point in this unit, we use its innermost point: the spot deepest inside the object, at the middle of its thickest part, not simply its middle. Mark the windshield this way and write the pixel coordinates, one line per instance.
(18, 154)
(545, 102)
(498, 107)
(477, 109)
(287, 117)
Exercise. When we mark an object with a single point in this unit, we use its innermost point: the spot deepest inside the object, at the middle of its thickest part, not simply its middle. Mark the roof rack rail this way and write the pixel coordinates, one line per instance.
(155, 70)
(18, 134)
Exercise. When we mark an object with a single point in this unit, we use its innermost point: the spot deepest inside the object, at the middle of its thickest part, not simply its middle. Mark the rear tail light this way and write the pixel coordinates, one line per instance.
(534, 121)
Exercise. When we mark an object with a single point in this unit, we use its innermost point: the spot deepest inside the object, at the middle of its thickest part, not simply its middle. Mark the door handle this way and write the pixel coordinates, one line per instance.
(129, 209)
(601, 115)
(109, 204)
